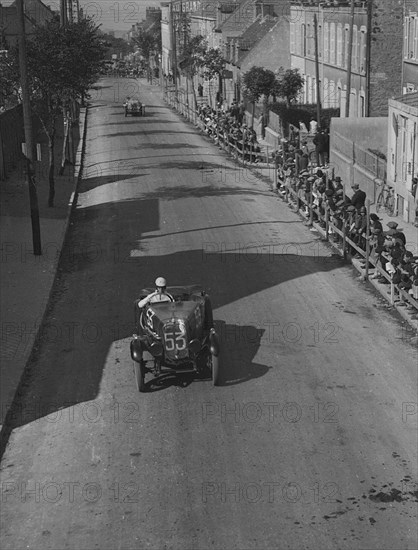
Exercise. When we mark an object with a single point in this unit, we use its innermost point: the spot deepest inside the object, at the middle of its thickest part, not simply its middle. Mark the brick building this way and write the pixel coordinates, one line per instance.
(410, 48)
(36, 13)
(376, 68)
(403, 151)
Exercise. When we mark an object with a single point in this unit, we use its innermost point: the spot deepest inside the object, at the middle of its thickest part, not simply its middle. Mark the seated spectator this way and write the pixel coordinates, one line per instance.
(375, 222)
(395, 232)
(304, 148)
(359, 230)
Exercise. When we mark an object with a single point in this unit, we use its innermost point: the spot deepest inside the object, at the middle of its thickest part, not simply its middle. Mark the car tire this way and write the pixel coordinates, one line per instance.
(139, 371)
(215, 370)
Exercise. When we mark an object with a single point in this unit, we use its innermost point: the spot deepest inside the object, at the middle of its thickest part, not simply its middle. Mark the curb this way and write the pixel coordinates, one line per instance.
(6, 428)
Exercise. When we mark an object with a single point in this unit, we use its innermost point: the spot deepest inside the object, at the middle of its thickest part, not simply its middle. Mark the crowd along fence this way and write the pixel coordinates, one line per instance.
(301, 202)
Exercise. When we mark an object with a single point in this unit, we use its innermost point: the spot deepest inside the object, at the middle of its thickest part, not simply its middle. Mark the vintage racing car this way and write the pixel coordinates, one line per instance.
(134, 107)
(176, 337)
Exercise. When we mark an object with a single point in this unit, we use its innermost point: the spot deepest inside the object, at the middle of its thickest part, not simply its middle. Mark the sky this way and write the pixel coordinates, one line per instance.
(117, 15)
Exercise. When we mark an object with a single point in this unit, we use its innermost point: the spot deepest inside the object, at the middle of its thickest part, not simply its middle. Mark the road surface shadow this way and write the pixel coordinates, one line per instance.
(144, 120)
(239, 346)
(100, 273)
(165, 132)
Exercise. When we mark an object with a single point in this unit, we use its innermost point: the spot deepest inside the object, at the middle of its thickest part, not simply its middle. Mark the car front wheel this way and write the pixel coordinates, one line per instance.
(139, 371)
(215, 370)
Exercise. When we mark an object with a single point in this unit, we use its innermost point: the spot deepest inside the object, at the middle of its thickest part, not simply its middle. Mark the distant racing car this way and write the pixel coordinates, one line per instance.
(176, 337)
(134, 107)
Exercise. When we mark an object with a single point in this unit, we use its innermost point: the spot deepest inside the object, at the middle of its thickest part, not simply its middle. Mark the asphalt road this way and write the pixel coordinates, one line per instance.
(310, 441)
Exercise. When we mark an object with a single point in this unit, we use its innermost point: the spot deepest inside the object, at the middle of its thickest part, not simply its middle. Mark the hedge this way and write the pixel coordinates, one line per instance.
(303, 113)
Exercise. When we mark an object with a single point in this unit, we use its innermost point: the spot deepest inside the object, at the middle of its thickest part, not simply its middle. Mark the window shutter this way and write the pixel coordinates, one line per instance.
(326, 42)
(292, 38)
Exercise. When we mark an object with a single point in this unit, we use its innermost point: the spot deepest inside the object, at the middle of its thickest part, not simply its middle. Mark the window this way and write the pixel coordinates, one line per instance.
(339, 45)
(411, 29)
(326, 42)
(353, 103)
(362, 52)
(332, 43)
(303, 40)
(354, 58)
(332, 98)
(292, 38)
(339, 96)
(309, 83)
(416, 38)
(411, 37)
(325, 94)
(406, 37)
(297, 40)
(320, 45)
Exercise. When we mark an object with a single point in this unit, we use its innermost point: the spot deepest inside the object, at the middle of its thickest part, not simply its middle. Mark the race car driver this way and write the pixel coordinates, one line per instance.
(159, 295)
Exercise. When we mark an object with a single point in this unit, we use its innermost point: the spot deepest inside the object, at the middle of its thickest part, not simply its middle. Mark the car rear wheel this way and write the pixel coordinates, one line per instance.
(215, 370)
(139, 371)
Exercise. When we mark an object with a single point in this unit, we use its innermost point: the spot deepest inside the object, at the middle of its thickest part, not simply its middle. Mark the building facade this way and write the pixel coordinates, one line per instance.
(410, 50)
(376, 53)
(36, 14)
(402, 161)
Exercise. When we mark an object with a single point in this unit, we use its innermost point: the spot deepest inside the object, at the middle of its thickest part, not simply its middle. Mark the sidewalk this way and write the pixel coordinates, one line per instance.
(26, 280)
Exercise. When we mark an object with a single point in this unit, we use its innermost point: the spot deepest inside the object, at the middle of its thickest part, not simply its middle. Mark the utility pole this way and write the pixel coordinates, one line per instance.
(318, 84)
(27, 122)
(349, 60)
(174, 51)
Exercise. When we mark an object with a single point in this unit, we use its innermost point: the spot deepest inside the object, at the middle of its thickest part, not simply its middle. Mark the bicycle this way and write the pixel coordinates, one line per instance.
(387, 200)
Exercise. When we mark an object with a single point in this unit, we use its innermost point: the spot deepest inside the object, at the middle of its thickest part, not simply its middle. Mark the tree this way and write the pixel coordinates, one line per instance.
(289, 83)
(149, 43)
(214, 66)
(258, 82)
(192, 58)
(62, 65)
(9, 79)
(114, 45)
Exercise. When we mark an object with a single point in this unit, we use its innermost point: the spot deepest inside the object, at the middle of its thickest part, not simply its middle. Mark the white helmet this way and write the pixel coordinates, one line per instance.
(160, 282)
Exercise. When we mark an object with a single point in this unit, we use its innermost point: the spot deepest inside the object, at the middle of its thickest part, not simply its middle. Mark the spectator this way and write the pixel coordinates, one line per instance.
(304, 147)
(303, 128)
(313, 126)
(359, 230)
(395, 232)
(359, 197)
(321, 142)
(241, 112)
(415, 195)
(375, 222)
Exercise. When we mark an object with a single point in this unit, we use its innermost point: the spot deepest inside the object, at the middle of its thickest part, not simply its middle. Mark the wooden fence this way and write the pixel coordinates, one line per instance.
(304, 204)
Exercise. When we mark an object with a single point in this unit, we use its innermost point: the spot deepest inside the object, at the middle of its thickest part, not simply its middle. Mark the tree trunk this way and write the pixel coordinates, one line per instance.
(51, 169)
(67, 130)
(252, 116)
(194, 94)
(264, 117)
(220, 87)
